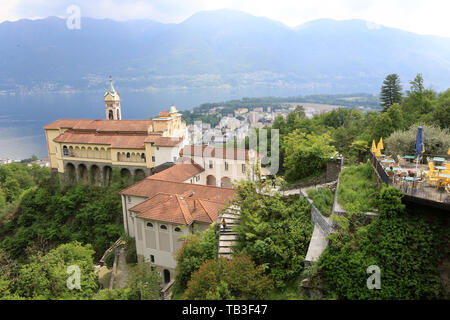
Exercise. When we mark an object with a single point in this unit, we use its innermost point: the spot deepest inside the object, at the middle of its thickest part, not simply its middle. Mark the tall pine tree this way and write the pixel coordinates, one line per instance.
(391, 91)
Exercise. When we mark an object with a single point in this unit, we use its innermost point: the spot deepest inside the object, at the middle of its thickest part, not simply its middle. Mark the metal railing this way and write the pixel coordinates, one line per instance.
(418, 189)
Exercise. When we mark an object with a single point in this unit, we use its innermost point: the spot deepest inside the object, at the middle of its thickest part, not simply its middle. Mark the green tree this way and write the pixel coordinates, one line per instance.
(441, 113)
(306, 154)
(46, 276)
(391, 91)
(361, 146)
(144, 283)
(226, 279)
(196, 249)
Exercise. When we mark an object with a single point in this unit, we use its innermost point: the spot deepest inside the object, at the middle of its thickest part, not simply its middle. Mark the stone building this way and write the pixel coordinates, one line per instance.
(86, 151)
(160, 209)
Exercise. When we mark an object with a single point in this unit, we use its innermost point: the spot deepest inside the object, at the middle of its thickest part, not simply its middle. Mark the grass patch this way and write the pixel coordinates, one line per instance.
(322, 199)
(358, 189)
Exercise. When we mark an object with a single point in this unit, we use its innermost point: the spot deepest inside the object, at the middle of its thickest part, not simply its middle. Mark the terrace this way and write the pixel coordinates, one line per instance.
(423, 183)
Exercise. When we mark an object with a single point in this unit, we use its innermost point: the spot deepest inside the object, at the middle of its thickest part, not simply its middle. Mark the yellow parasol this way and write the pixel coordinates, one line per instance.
(380, 145)
(374, 148)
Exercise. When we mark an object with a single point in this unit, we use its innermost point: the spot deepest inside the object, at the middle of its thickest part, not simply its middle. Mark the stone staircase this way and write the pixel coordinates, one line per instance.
(228, 237)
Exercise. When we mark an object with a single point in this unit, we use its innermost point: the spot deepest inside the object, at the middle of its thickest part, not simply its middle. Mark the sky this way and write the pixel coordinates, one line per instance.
(419, 16)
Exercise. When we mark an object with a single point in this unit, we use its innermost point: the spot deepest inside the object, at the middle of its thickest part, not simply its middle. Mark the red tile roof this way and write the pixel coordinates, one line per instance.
(120, 141)
(102, 125)
(178, 209)
(215, 152)
(179, 172)
(148, 187)
(164, 114)
(168, 141)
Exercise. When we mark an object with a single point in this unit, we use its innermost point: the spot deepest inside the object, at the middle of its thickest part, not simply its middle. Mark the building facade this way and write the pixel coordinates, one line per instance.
(85, 151)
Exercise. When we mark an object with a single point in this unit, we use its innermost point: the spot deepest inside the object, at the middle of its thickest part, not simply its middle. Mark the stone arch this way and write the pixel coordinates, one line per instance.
(102, 153)
(125, 173)
(143, 159)
(77, 152)
(83, 174)
(96, 153)
(107, 175)
(211, 180)
(83, 152)
(71, 153)
(226, 182)
(128, 156)
(70, 173)
(139, 174)
(96, 178)
(89, 152)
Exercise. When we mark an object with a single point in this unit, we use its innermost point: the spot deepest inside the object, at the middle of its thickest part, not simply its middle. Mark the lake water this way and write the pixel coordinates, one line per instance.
(23, 116)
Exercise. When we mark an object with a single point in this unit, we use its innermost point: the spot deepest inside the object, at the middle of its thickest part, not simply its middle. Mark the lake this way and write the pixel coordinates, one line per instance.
(23, 116)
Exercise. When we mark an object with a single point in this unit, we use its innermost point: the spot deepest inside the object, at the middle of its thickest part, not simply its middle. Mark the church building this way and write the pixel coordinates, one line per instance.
(85, 150)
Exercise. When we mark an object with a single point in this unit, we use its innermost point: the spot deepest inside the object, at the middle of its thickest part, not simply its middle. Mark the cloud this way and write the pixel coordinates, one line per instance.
(420, 16)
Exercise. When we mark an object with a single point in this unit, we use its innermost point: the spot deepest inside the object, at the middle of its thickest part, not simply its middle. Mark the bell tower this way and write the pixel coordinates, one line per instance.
(112, 103)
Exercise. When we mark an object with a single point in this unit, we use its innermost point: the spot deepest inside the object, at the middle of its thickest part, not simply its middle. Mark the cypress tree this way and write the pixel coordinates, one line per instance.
(391, 91)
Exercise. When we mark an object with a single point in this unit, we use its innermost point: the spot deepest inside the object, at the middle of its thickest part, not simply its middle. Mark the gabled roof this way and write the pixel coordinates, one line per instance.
(168, 141)
(119, 141)
(179, 172)
(102, 125)
(175, 208)
(148, 187)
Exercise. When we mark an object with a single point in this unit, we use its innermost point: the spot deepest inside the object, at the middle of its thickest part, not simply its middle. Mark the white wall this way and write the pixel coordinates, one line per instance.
(166, 154)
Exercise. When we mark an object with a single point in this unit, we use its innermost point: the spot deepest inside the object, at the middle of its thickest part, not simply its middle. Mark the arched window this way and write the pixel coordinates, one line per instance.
(149, 225)
(128, 155)
(143, 157)
(65, 151)
(111, 115)
(177, 229)
(163, 227)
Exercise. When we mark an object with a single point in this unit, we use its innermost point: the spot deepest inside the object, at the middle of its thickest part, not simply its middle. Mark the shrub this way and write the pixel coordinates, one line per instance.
(322, 199)
(237, 278)
(109, 259)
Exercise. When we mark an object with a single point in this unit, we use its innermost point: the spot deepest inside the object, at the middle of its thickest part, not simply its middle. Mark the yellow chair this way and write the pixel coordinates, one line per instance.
(432, 178)
(431, 166)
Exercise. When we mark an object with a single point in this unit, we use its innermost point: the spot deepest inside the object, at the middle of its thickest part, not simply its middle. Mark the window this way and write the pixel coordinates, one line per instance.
(143, 156)
(129, 199)
(177, 229)
(157, 148)
(128, 155)
(152, 258)
(163, 227)
(149, 225)
(197, 178)
(226, 166)
(243, 168)
(153, 158)
(210, 164)
(65, 151)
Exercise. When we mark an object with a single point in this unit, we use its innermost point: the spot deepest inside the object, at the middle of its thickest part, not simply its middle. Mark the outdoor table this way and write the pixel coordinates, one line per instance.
(440, 168)
(444, 175)
(413, 179)
(438, 159)
(388, 161)
(410, 158)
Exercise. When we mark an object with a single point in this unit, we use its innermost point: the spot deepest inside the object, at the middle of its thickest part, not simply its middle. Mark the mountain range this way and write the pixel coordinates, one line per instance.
(217, 49)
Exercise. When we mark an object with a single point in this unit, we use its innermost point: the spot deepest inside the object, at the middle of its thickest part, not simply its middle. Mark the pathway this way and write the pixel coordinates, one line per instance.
(228, 237)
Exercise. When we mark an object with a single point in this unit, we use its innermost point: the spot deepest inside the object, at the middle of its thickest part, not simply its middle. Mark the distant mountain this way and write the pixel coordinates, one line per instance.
(222, 48)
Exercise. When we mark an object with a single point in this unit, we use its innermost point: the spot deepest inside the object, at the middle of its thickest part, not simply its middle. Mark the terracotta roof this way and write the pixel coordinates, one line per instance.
(148, 187)
(179, 172)
(168, 141)
(114, 141)
(152, 137)
(176, 208)
(215, 152)
(102, 125)
(164, 114)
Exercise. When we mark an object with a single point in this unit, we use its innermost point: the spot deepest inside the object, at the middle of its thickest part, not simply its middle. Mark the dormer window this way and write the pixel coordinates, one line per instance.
(149, 225)
(163, 227)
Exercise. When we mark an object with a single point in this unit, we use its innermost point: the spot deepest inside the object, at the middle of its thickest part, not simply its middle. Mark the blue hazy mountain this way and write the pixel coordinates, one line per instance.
(222, 48)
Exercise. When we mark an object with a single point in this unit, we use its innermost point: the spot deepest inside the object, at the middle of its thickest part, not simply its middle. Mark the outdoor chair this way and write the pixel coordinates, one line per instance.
(401, 161)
